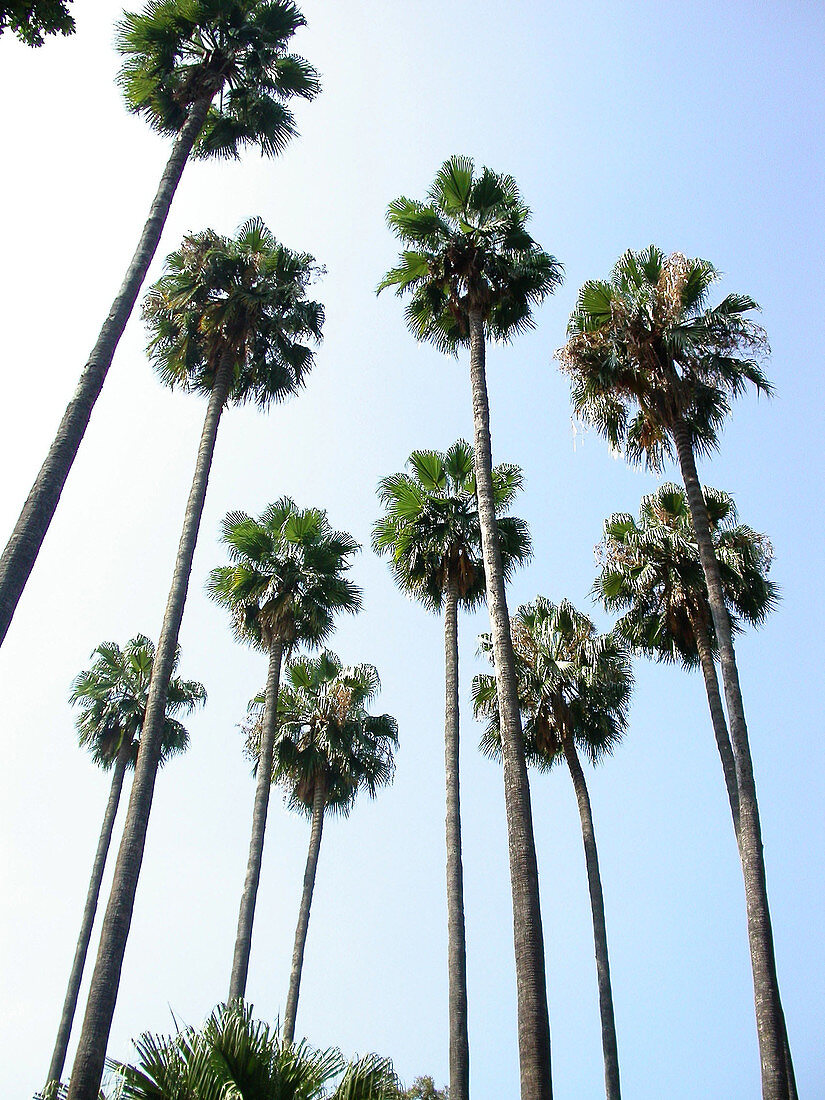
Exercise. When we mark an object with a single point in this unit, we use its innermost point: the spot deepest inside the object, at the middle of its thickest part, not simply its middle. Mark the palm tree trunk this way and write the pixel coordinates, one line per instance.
(100, 1007)
(717, 715)
(456, 939)
(531, 981)
(777, 1068)
(612, 1090)
(263, 785)
(720, 729)
(291, 1010)
(76, 976)
(27, 537)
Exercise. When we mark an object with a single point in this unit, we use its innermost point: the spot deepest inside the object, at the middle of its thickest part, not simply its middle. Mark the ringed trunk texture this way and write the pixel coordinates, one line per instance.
(291, 1010)
(612, 1088)
(531, 981)
(263, 785)
(777, 1069)
(456, 937)
(27, 537)
(76, 976)
(720, 726)
(100, 1007)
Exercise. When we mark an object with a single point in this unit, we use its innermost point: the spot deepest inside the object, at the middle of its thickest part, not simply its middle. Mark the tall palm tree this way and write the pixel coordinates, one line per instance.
(216, 76)
(474, 273)
(283, 587)
(574, 690)
(432, 533)
(235, 1055)
(111, 697)
(654, 369)
(651, 571)
(328, 748)
(228, 320)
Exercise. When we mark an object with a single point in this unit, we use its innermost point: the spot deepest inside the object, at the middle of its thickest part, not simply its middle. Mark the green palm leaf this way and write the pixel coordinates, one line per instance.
(468, 248)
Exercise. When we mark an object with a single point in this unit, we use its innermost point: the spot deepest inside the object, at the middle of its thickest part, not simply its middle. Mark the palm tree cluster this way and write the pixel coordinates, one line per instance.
(654, 368)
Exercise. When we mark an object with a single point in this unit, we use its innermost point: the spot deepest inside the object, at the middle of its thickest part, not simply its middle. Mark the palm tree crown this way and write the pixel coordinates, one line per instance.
(651, 570)
(645, 351)
(240, 300)
(467, 249)
(230, 52)
(431, 529)
(235, 1055)
(286, 580)
(571, 680)
(326, 735)
(111, 697)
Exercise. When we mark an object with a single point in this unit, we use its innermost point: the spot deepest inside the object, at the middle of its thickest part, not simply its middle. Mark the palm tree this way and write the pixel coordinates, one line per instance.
(235, 1055)
(283, 588)
(651, 571)
(227, 319)
(432, 533)
(328, 748)
(111, 697)
(574, 690)
(654, 369)
(216, 76)
(475, 273)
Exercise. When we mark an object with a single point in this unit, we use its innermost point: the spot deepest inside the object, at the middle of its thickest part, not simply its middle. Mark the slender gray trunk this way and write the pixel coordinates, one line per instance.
(717, 715)
(456, 937)
(720, 729)
(291, 1010)
(100, 1007)
(27, 537)
(263, 785)
(776, 1065)
(612, 1089)
(531, 980)
(76, 976)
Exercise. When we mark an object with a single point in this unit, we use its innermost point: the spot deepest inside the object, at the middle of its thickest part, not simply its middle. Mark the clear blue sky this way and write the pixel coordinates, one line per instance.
(697, 126)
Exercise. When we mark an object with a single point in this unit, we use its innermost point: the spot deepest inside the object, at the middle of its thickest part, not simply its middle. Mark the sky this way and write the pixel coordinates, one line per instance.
(694, 126)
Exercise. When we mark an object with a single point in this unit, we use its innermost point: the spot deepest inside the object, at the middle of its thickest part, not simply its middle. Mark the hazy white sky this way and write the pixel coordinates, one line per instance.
(695, 126)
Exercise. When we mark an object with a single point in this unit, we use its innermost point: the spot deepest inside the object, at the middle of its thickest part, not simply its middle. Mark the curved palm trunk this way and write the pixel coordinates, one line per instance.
(27, 537)
(100, 1007)
(456, 939)
(263, 785)
(291, 1010)
(612, 1090)
(76, 976)
(717, 715)
(531, 981)
(777, 1068)
(720, 729)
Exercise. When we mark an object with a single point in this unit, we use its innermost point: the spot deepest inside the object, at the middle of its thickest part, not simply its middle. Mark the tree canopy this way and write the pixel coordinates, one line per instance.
(31, 20)
(231, 53)
(645, 350)
(431, 529)
(467, 248)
